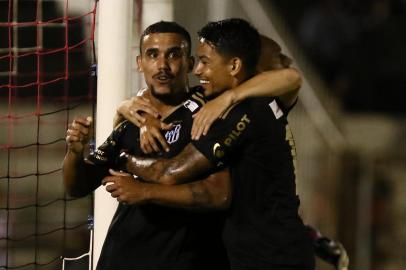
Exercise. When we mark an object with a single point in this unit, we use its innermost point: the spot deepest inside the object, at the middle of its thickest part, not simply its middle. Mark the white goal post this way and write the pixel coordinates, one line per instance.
(115, 49)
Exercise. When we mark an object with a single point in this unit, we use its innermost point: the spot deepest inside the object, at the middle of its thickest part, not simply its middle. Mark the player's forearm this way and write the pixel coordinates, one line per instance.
(269, 83)
(80, 178)
(72, 170)
(159, 171)
(185, 167)
(205, 194)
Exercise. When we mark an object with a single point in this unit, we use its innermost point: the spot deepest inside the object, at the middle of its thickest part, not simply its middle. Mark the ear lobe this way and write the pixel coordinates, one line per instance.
(235, 66)
(139, 64)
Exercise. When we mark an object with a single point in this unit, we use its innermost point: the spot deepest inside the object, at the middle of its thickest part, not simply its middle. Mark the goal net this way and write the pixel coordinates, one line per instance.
(46, 58)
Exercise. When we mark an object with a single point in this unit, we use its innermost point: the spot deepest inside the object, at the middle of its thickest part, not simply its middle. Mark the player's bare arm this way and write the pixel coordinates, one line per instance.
(214, 192)
(271, 83)
(133, 109)
(272, 58)
(141, 112)
(80, 177)
(187, 166)
(151, 138)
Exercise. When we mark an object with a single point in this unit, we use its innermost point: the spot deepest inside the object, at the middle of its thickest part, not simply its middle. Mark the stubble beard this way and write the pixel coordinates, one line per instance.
(171, 98)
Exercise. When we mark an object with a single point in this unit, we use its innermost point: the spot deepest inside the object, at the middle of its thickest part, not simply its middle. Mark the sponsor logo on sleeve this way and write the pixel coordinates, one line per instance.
(236, 132)
(218, 151)
(219, 148)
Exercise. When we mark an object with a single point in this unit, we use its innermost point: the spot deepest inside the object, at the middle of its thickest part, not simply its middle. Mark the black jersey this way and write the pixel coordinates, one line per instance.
(263, 228)
(155, 237)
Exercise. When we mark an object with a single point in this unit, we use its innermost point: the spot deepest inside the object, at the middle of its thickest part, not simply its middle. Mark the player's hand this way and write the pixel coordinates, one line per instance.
(125, 188)
(133, 110)
(78, 134)
(151, 139)
(211, 111)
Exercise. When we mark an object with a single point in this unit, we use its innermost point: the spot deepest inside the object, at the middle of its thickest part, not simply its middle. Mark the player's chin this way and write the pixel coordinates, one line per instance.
(161, 90)
(208, 91)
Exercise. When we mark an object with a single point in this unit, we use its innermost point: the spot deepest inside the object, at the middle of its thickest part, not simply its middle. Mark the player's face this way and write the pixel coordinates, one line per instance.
(271, 56)
(269, 62)
(275, 61)
(165, 63)
(213, 70)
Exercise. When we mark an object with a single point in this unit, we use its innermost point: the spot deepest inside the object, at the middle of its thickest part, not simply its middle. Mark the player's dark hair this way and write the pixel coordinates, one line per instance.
(234, 38)
(167, 27)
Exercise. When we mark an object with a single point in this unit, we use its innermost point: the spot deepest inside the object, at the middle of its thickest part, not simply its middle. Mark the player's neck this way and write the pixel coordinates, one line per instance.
(166, 106)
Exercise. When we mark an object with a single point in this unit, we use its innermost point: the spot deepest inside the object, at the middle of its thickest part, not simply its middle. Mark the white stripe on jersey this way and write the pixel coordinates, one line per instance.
(275, 109)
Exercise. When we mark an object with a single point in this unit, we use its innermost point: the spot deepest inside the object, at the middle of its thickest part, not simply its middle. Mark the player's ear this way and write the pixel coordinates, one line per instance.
(191, 63)
(235, 65)
(139, 63)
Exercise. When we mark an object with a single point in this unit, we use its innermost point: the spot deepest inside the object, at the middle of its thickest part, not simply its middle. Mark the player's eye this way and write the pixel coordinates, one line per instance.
(175, 54)
(152, 54)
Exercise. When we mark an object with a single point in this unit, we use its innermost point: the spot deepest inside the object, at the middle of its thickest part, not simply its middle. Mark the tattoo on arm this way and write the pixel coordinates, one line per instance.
(213, 192)
(200, 195)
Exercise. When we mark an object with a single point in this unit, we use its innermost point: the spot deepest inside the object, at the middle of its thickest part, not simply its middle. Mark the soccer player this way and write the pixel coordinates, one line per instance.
(153, 236)
(263, 229)
(271, 59)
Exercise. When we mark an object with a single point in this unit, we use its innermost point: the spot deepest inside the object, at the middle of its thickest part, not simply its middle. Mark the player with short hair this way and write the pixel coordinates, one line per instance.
(151, 236)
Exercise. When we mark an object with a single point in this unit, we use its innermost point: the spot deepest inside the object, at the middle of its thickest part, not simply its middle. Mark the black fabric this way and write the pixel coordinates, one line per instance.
(263, 228)
(154, 237)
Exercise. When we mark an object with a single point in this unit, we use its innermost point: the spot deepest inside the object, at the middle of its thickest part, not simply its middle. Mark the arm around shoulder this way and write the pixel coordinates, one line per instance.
(271, 83)
(290, 96)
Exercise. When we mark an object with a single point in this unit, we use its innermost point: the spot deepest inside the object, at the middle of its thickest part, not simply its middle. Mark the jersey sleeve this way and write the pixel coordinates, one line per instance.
(285, 110)
(107, 153)
(226, 136)
(196, 100)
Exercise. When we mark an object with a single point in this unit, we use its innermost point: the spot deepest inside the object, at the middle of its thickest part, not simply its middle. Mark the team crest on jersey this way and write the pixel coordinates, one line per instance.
(191, 105)
(276, 109)
(172, 135)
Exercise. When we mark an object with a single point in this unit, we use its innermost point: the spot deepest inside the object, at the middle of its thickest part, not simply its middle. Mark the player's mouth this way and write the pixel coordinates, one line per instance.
(204, 81)
(163, 77)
